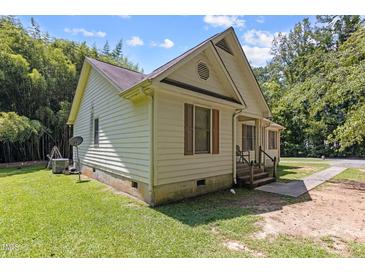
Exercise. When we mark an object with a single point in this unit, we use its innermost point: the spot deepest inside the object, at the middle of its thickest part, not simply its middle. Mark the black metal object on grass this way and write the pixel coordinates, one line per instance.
(75, 142)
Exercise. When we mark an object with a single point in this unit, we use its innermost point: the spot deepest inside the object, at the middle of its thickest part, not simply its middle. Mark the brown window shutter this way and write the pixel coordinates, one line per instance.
(215, 131)
(188, 129)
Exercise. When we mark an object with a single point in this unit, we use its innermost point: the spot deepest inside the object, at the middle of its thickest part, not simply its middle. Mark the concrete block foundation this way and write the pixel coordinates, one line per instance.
(160, 194)
(177, 191)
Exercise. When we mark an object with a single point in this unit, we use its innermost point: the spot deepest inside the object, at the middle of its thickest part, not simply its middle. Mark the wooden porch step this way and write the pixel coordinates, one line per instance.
(256, 176)
(259, 179)
(246, 171)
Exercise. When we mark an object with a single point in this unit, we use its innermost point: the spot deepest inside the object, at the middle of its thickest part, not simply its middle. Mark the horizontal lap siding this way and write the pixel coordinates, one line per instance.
(172, 165)
(242, 82)
(124, 138)
(188, 74)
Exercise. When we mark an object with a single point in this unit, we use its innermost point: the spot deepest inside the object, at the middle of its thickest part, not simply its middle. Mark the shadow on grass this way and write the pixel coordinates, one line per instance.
(224, 205)
(286, 170)
(11, 171)
(83, 181)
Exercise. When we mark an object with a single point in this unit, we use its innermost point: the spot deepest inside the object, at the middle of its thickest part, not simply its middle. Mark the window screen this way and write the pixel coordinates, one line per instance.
(248, 137)
(202, 130)
(273, 140)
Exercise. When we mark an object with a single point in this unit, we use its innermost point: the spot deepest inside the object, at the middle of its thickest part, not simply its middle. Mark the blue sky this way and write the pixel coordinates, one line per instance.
(153, 40)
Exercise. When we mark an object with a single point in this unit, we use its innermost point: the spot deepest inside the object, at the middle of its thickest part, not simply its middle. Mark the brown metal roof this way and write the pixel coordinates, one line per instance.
(121, 77)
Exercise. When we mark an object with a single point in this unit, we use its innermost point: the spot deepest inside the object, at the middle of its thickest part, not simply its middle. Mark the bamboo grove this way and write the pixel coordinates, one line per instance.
(38, 78)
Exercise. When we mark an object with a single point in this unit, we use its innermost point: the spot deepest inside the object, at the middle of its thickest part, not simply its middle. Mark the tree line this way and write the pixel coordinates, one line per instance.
(38, 78)
(315, 85)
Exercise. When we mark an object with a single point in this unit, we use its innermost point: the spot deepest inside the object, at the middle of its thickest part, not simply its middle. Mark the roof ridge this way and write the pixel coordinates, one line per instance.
(192, 48)
(118, 66)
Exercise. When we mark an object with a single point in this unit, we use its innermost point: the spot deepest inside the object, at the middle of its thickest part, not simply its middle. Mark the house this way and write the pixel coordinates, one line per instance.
(174, 133)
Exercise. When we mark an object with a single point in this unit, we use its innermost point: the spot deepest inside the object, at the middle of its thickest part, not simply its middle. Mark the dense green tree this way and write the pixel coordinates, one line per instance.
(38, 78)
(106, 49)
(315, 86)
(117, 52)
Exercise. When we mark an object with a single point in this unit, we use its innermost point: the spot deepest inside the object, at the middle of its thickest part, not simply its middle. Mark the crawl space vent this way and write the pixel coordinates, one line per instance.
(224, 46)
(203, 71)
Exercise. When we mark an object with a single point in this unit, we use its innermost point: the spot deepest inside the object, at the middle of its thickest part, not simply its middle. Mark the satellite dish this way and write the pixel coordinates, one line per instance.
(76, 141)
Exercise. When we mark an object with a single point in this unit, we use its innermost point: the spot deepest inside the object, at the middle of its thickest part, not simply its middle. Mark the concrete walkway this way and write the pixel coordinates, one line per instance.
(299, 187)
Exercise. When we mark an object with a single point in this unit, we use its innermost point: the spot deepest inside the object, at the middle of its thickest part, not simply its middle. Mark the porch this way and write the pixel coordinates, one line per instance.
(257, 150)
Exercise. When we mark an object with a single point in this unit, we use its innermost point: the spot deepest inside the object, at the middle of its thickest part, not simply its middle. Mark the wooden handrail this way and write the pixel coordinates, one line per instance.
(274, 160)
(263, 151)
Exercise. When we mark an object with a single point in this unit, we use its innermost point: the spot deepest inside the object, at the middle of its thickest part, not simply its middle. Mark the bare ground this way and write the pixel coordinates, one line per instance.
(333, 213)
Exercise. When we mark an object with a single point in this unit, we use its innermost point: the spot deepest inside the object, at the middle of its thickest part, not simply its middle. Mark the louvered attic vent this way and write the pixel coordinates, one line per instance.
(203, 71)
(224, 46)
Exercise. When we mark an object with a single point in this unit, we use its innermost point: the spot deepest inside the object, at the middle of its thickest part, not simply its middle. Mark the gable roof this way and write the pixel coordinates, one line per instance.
(125, 79)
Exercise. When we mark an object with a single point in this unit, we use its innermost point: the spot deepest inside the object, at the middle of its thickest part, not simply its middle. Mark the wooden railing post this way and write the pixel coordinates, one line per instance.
(251, 172)
(274, 171)
(260, 156)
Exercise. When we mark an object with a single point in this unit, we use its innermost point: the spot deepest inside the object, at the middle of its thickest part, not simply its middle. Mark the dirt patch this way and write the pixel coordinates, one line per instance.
(335, 210)
(237, 246)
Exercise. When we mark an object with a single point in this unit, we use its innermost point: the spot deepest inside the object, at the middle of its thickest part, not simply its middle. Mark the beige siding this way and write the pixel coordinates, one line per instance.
(216, 82)
(243, 82)
(124, 140)
(171, 163)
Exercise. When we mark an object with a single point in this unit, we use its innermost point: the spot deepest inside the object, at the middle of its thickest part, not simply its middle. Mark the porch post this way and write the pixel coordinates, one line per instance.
(257, 138)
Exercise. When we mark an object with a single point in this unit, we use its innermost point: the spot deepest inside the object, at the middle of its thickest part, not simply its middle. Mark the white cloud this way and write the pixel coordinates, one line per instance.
(260, 19)
(135, 41)
(167, 43)
(224, 21)
(257, 56)
(258, 38)
(125, 16)
(86, 33)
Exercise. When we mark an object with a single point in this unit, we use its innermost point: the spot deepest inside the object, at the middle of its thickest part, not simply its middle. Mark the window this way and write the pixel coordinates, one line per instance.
(134, 184)
(202, 130)
(273, 140)
(248, 137)
(96, 131)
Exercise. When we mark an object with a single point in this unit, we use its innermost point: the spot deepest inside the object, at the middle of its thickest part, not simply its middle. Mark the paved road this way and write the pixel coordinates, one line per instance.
(349, 163)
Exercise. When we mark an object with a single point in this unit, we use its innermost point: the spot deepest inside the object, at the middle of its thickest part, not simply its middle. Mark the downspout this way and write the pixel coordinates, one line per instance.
(235, 115)
(149, 93)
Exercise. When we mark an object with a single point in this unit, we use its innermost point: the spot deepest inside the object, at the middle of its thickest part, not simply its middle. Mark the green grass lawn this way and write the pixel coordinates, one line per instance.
(47, 215)
(298, 168)
(351, 174)
(300, 159)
